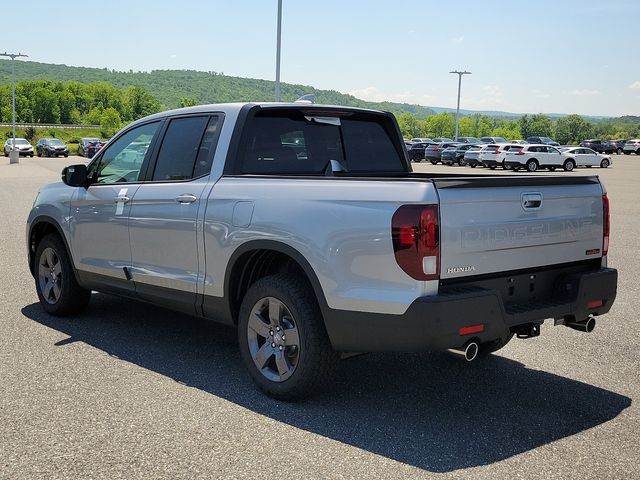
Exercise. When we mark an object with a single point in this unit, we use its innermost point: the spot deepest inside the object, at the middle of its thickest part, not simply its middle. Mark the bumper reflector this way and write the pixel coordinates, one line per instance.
(471, 329)
(594, 304)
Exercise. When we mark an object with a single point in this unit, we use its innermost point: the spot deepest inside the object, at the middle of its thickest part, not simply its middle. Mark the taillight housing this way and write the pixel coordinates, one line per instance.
(497, 150)
(520, 152)
(415, 232)
(436, 148)
(606, 225)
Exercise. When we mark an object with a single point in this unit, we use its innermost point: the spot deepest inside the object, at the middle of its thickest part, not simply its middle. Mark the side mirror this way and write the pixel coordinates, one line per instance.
(75, 175)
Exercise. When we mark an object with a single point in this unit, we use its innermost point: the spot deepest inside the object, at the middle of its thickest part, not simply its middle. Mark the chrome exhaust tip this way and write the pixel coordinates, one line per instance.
(585, 326)
(471, 351)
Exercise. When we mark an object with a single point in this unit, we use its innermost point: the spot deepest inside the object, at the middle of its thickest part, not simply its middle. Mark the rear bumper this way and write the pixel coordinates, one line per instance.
(433, 323)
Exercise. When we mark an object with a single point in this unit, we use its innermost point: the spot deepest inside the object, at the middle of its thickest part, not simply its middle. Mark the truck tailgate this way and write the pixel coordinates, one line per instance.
(500, 224)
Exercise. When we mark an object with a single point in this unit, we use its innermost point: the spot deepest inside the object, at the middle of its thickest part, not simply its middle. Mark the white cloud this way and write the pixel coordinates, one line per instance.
(635, 85)
(372, 94)
(173, 55)
(540, 94)
(457, 40)
(585, 92)
(492, 91)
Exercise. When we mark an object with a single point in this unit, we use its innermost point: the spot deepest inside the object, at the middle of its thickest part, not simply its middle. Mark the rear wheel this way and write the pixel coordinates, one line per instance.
(283, 342)
(56, 285)
(604, 163)
(532, 166)
(461, 162)
(473, 165)
(569, 165)
(619, 151)
(434, 162)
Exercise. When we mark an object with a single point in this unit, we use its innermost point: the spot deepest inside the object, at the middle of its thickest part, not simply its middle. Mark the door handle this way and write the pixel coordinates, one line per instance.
(122, 199)
(531, 201)
(186, 198)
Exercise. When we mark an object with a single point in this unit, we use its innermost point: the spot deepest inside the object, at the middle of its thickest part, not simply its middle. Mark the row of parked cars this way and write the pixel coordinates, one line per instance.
(53, 147)
(492, 152)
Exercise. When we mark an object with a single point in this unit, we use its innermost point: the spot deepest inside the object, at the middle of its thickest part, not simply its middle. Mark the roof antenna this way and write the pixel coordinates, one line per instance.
(309, 98)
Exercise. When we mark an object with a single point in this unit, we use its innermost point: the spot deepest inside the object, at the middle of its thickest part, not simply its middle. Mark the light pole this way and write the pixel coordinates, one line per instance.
(13, 155)
(278, 51)
(458, 107)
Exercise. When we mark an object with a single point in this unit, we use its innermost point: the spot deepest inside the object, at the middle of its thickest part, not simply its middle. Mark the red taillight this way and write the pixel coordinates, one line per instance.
(436, 148)
(497, 150)
(471, 329)
(416, 240)
(606, 225)
(520, 152)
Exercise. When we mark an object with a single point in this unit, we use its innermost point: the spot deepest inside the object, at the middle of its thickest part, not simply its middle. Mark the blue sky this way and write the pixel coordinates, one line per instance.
(545, 56)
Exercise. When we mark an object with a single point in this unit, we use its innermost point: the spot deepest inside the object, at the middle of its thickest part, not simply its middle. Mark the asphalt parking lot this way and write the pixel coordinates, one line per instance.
(128, 390)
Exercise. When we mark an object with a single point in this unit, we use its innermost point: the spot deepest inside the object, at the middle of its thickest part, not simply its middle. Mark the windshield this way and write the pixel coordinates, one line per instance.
(20, 141)
(56, 142)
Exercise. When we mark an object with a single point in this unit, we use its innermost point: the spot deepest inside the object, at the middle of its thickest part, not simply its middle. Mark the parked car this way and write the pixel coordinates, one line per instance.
(586, 157)
(23, 147)
(455, 154)
(632, 146)
(518, 142)
(94, 147)
(283, 247)
(416, 151)
(441, 139)
(51, 147)
(534, 157)
(619, 145)
(421, 140)
(492, 140)
(433, 152)
(408, 143)
(543, 141)
(471, 156)
(600, 146)
(83, 145)
(469, 140)
(492, 155)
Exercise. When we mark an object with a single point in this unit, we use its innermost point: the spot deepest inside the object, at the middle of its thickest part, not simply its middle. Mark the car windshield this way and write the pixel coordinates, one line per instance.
(56, 142)
(20, 141)
(546, 139)
(499, 140)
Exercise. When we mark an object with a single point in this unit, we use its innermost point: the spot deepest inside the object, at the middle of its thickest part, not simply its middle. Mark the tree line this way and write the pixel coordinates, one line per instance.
(567, 130)
(71, 102)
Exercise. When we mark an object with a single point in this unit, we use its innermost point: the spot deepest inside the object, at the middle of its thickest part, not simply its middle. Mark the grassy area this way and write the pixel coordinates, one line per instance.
(67, 135)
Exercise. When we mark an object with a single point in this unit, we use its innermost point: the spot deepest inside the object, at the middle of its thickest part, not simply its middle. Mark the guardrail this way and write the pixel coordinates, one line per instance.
(41, 125)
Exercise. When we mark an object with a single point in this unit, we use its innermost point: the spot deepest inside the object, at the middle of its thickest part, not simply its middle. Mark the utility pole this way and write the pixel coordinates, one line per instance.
(278, 50)
(458, 107)
(14, 155)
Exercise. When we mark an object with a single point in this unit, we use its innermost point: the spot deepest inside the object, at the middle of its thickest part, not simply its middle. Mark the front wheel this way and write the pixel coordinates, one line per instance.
(56, 285)
(283, 342)
(532, 166)
(434, 162)
(569, 165)
(461, 162)
(473, 165)
(604, 163)
(619, 151)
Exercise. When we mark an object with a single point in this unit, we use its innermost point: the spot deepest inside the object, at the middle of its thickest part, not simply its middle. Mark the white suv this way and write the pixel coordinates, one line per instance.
(632, 146)
(535, 156)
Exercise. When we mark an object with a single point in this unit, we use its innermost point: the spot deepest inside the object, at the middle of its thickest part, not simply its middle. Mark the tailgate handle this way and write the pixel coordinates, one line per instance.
(531, 201)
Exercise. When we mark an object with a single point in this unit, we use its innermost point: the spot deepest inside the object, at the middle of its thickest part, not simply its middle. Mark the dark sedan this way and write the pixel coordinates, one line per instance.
(84, 144)
(455, 154)
(433, 153)
(600, 146)
(51, 147)
(416, 151)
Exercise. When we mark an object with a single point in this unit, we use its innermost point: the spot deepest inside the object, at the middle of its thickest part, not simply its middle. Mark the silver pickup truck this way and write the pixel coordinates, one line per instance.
(304, 226)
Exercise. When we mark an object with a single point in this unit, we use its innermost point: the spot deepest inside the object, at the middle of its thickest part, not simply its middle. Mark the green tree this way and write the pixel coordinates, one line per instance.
(44, 106)
(409, 125)
(188, 102)
(440, 125)
(141, 103)
(540, 125)
(110, 121)
(572, 129)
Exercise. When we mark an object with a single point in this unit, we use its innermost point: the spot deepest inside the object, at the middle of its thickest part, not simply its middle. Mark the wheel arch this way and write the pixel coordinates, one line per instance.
(39, 228)
(259, 258)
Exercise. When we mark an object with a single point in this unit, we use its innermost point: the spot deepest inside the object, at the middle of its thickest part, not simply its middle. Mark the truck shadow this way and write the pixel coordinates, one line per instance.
(431, 411)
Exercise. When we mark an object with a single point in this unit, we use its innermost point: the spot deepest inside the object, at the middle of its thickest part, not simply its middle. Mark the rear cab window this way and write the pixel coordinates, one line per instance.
(296, 142)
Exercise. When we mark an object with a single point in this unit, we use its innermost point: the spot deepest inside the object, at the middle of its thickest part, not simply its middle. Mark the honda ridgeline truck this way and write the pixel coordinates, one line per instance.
(304, 226)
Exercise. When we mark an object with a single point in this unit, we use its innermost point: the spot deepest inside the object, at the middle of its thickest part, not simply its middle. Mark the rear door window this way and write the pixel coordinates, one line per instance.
(187, 148)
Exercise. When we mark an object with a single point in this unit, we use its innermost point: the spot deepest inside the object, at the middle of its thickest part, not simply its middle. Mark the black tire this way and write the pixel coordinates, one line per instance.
(462, 162)
(532, 166)
(433, 162)
(619, 151)
(71, 297)
(314, 358)
(638, 152)
(604, 163)
(473, 165)
(492, 167)
(624, 151)
(66, 155)
(38, 153)
(569, 165)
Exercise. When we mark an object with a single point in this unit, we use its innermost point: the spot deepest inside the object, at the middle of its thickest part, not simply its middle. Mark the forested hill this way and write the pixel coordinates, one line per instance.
(169, 87)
